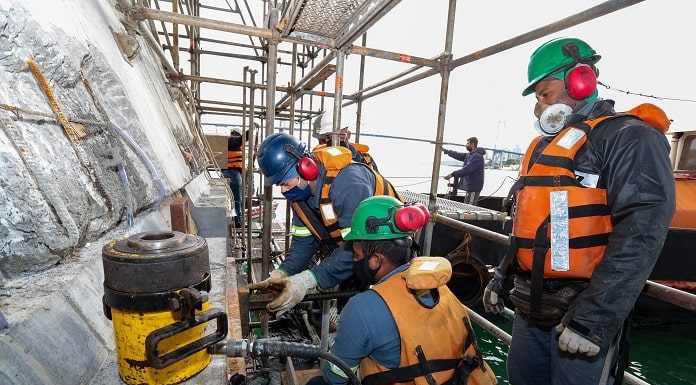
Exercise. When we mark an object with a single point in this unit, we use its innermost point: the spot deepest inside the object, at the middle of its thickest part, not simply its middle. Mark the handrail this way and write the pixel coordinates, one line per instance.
(502, 335)
(664, 293)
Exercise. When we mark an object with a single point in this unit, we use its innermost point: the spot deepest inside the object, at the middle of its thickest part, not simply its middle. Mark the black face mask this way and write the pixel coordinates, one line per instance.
(363, 273)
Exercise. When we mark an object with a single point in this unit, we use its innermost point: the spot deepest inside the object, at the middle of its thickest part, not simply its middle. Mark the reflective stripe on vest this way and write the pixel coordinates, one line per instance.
(234, 159)
(589, 222)
(324, 224)
(437, 346)
(300, 231)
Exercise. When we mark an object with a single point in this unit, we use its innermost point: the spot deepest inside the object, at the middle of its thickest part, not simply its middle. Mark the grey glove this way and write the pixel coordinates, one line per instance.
(491, 296)
(571, 342)
(287, 291)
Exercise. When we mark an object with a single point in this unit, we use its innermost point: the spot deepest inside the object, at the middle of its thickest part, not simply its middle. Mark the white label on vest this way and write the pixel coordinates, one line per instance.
(327, 212)
(560, 260)
(428, 266)
(333, 151)
(570, 138)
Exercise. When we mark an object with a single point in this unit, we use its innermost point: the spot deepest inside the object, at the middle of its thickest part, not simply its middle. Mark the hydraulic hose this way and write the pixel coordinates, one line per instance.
(148, 163)
(267, 347)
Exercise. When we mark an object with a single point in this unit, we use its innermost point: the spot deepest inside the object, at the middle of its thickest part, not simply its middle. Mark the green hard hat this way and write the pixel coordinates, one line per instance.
(373, 220)
(550, 57)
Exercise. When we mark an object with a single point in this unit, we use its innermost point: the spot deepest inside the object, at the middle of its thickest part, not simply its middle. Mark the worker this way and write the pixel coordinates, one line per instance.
(323, 129)
(592, 208)
(323, 189)
(470, 176)
(234, 172)
(376, 334)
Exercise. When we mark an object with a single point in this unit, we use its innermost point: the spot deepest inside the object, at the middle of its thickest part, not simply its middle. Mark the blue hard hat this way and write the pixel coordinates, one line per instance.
(277, 155)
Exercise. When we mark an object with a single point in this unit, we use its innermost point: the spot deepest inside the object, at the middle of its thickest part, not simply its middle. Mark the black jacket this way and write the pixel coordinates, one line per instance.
(631, 159)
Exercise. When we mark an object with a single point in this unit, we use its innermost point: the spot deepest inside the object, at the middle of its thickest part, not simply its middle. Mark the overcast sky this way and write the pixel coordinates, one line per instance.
(645, 48)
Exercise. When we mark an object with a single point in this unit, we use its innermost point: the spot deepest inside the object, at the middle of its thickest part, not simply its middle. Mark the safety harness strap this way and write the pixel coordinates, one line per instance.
(312, 219)
(424, 368)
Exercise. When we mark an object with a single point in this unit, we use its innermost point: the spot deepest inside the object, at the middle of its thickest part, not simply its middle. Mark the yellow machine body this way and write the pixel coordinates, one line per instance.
(130, 331)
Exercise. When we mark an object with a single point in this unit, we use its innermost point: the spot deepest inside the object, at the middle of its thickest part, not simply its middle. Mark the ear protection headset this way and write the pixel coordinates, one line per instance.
(407, 218)
(305, 166)
(581, 75)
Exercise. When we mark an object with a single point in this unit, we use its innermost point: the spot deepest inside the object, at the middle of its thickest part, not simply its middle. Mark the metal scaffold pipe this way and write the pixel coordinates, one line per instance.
(573, 20)
(441, 115)
(668, 294)
(201, 22)
(502, 335)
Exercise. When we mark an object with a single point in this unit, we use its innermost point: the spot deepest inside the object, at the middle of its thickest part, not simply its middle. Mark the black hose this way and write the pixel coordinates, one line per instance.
(266, 347)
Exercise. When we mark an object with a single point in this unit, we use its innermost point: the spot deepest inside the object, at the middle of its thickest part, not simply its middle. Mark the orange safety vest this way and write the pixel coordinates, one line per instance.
(589, 220)
(581, 233)
(324, 224)
(234, 159)
(363, 150)
(442, 341)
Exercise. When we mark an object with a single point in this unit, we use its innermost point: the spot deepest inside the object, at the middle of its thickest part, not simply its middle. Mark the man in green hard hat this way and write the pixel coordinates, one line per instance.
(376, 334)
(593, 205)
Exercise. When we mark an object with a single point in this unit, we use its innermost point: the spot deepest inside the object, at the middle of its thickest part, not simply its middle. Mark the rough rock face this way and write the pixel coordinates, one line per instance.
(56, 194)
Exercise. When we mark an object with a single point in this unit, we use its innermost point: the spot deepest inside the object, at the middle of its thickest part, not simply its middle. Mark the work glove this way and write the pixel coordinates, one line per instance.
(277, 273)
(571, 342)
(492, 301)
(287, 291)
(446, 151)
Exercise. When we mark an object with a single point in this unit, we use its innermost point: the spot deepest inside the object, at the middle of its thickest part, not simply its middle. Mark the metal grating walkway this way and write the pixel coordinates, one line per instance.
(456, 210)
(335, 23)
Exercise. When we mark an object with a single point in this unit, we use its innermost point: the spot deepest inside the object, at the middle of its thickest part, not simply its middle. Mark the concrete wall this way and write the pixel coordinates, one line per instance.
(55, 196)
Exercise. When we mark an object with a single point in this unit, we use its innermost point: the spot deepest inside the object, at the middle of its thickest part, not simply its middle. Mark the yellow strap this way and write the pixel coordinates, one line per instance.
(339, 372)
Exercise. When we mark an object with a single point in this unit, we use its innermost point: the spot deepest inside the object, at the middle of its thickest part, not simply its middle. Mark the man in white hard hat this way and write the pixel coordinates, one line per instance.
(323, 128)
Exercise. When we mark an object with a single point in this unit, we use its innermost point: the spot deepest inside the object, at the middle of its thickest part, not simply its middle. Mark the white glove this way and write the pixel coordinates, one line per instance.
(288, 291)
(491, 301)
(571, 342)
(277, 273)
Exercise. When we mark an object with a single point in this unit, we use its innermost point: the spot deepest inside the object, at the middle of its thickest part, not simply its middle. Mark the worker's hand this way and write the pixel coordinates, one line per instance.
(492, 301)
(287, 291)
(277, 273)
(446, 151)
(448, 176)
(571, 342)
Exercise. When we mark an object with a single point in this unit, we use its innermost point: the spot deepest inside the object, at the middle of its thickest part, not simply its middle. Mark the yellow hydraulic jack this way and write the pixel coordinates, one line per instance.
(155, 287)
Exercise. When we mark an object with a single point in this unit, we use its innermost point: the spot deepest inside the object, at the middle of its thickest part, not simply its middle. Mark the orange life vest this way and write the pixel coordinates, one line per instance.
(443, 341)
(324, 225)
(588, 217)
(234, 159)
(360, 148)
(364, 149)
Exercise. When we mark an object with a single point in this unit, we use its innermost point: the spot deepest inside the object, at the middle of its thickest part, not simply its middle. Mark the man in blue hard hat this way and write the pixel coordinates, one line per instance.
(323, 189)
(593, 205)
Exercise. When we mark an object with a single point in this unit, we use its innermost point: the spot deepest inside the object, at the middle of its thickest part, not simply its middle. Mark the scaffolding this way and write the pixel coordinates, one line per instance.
(322, 33)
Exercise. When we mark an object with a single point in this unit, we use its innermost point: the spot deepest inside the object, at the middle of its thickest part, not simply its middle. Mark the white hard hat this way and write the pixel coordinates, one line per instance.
(326, 125)
(238, 130)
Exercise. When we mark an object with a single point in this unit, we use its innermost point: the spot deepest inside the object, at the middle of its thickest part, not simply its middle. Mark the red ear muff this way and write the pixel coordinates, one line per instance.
(424, 209)
(409, 218)
(581, 82)
(307, 168)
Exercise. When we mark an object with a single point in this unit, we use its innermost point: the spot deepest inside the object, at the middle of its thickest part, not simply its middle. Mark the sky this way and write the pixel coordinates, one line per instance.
(645, 48)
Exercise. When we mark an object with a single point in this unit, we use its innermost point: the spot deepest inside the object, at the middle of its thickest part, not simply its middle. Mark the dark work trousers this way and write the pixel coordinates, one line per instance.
(235, 177)
(535, 359)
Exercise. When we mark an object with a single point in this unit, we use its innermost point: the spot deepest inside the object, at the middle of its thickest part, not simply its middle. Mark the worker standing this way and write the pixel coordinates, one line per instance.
(376, 333)
(234, 172)
(323, 189)
(592, 208)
